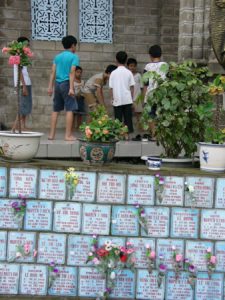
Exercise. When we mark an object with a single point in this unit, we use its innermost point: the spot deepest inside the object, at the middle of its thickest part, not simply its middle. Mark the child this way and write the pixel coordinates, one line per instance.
(63, 73)
(78, 88)
(155, 53)
(93, 88)
(25, 92)
(138, 105)
(121, 83)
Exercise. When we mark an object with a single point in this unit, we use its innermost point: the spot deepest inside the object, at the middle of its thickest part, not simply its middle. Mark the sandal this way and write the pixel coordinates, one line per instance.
(137, 138)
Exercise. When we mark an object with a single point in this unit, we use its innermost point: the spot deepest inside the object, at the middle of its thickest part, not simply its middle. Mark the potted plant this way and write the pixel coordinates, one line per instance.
(183, 107)
(100, 136)
(212, 151)
(19, 146)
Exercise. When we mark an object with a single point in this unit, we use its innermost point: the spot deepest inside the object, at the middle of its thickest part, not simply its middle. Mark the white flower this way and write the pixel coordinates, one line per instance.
(18, 254)
(90, 254)
(191, 188)
(108, 243)
(114, 221)
(108, 248)
(113, 275)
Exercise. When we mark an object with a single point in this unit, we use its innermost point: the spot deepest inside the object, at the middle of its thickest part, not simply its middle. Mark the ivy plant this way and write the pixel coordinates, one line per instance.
(184, 107)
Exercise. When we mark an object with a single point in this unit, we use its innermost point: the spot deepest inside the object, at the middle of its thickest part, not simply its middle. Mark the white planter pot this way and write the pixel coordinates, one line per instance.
(19, 147)
(212, 157)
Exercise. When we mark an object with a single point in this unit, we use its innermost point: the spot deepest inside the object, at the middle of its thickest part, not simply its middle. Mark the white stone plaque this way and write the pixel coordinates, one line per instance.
(213, 224)
(3, 182)
(173, 193)
(124, 285)
(196, 253)
(67, 217)
(7, 218)
(3, 243)
(85, 190)
(140, 189)
(210, 289)
(178, 288)
(52, 185)
(78, 249)
(111, 188)
(96, 219)
(220, 256)
(9, 278)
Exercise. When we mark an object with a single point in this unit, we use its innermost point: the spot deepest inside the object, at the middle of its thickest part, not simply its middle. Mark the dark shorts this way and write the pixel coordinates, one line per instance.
(26, 101)
(61, 98)
(81, 105)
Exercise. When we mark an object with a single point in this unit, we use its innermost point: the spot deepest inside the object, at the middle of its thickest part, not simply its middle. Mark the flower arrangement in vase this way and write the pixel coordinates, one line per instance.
(72, 181)
(110, 259)
(19, 210)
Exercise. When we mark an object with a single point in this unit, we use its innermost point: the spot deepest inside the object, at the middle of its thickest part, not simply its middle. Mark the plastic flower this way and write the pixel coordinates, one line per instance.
(140, 213)
(151, 256)
(159, 187)
(177, 261)
(192, 272)
(211, 262)
(28, 52)
(72, 181)
(14, 60)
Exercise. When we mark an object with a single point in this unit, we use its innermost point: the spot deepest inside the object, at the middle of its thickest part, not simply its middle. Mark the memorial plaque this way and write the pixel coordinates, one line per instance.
(220, 193)
(157, 221)
(7, 218)
(124, 221)
(111, 188)
(51, 247)
(139, 244)
(23, 182)
(52, 185)
(85, 190)
(173, 193)
(3, 242)
(91, 283)
(210, 289)
(164, 248)
(213, 224)
(140, 189)
(3, 182)
(184, 223)
(33, 280)
(178, 288)
(78, 248)
(67, 217)
(196, 252)
(20, 239)
(203, 191)
(124, 285)
(9, 279)
(96, 219)
(38, 215)
(147, 286)
(66, 283)
(220, 256)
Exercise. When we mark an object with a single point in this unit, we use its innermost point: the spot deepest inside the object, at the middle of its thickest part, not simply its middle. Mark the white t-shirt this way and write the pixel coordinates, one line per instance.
(120, 82)
(25, 75)
(154, 66)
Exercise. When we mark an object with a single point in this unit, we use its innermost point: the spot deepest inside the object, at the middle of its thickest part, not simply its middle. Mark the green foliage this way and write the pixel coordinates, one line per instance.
(184, 108)
(102, 128)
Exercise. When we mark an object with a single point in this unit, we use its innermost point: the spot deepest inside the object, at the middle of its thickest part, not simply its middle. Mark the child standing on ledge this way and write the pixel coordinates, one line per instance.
(79, 87)
(62, 75)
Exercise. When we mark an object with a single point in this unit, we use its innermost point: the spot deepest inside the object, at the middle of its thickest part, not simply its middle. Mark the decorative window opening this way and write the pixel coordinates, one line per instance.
(49, 19)
(95, 21)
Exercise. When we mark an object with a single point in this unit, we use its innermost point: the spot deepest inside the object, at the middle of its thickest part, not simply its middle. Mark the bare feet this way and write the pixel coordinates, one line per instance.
(70, 138)
(50, 138)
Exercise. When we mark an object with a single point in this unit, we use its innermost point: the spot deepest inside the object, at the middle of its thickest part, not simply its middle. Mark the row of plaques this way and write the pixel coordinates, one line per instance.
(118, 219)
(111, 188)
(87, 282)
(74, 250)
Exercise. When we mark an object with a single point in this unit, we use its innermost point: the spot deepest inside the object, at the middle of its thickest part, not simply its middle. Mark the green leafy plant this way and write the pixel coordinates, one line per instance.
(102, 128)
(184, 107)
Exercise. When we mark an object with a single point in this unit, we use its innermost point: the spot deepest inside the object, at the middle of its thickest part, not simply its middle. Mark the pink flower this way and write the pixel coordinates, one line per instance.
(34, 253)
(152, 255)
(5, 50)
(209, 250)
(88, 132)
(173, 248)
(213, 260)
(129, 243)
(129, 251)
(26, 248)
(179, 257)
(96, 261)
(18, 255)
(28, 52)
(14, 60)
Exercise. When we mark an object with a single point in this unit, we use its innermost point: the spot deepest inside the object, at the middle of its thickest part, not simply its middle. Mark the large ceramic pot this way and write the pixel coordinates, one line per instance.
(97, 152)
(212, 157)
(19, 147)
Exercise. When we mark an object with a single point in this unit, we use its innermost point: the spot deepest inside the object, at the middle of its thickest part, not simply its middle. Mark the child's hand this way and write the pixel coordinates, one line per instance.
(50, 91)
(25, 91)
(71, 92)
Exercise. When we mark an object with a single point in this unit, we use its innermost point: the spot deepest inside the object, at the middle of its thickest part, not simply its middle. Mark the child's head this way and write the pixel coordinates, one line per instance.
(132, 64)
(121, 57)
(155, 51)
(78, 72)
(109, 69)
(23, 39)
(69, 42)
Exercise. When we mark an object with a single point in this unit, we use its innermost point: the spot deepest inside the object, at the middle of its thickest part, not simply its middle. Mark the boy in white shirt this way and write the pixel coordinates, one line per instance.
(121, 84)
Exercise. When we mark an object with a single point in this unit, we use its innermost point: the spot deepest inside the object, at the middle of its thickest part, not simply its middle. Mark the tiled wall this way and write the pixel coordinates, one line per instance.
(61, 230)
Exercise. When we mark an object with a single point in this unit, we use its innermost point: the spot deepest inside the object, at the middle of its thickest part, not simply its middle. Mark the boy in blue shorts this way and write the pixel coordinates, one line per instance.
(62, 75)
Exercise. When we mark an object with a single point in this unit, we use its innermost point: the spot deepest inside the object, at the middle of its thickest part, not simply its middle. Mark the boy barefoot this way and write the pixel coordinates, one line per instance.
(62, 75)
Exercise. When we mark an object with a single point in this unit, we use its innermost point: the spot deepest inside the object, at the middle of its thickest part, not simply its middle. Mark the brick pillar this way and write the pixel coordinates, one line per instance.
(194, 30)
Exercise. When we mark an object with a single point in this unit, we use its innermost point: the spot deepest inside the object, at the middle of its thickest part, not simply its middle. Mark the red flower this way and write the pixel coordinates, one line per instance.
(123, 258)
(102, 252)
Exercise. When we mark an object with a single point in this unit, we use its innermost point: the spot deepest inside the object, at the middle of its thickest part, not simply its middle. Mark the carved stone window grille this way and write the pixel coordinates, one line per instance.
(49, 19)
(95, 21)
